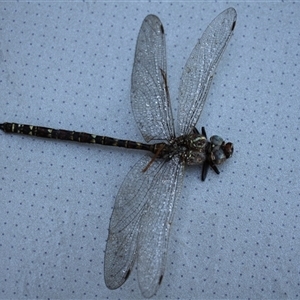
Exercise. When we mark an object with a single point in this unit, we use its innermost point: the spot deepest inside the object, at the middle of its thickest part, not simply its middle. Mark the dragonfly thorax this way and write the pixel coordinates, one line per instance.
(191, 148)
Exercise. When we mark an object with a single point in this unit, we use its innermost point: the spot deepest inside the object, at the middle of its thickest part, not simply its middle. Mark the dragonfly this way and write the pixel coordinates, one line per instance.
(144, 207)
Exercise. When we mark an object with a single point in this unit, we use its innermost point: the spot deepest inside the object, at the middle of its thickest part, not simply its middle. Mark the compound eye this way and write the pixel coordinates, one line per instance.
(218, 156)
(216, 140)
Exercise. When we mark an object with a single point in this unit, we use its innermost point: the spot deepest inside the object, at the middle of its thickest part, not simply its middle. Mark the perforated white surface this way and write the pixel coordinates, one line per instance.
(68, 65)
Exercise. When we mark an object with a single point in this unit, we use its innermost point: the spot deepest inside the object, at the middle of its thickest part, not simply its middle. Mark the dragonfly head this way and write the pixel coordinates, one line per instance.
(219, 150)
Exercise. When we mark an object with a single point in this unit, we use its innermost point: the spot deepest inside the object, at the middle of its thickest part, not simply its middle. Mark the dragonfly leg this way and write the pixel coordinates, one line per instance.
(203, 131)
(156, 155)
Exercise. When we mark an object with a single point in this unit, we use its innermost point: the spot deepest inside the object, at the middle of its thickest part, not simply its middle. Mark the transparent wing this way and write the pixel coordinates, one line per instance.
(200, 68)
(155, 225)
(121, 247)
(140, 223)
(150, 99)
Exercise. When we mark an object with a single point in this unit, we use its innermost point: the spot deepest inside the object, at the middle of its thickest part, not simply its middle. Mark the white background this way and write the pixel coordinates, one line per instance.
(68, 65)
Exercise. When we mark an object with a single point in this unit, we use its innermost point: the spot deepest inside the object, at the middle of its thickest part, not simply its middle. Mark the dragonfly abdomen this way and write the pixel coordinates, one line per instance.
(75, 136)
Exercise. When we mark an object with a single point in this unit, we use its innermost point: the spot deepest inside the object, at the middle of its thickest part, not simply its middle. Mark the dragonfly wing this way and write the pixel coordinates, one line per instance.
(155, 225)
(125, 224)
(150, 99)
(200, 68)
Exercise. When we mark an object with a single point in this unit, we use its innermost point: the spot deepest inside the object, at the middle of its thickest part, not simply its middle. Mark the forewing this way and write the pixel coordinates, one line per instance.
(130, 205)
(200, 68)
(150, 99)
(155, 225)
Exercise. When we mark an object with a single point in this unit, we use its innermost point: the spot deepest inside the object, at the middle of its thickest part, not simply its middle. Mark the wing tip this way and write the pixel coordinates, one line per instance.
(151, 291)
(113, 283)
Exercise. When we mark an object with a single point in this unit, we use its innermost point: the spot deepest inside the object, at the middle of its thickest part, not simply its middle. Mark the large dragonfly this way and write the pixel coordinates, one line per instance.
(144, 208)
